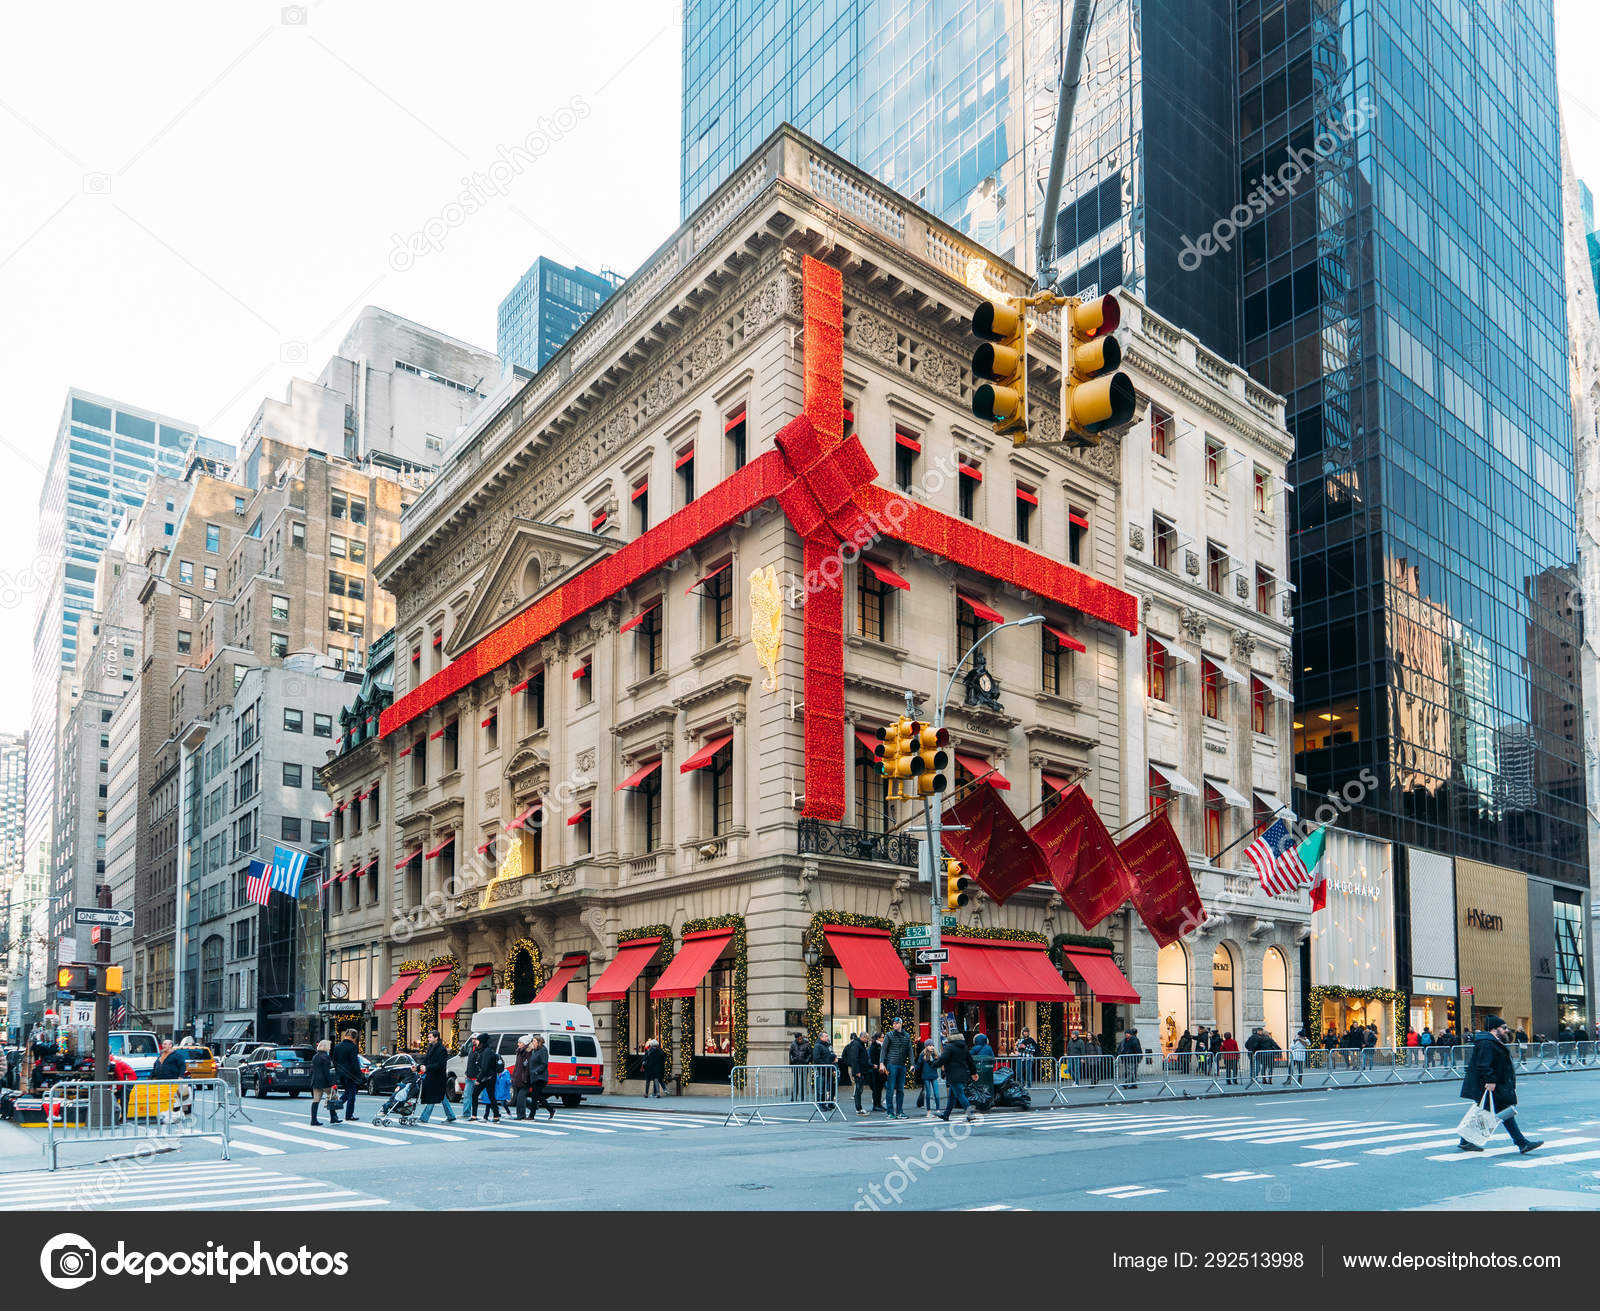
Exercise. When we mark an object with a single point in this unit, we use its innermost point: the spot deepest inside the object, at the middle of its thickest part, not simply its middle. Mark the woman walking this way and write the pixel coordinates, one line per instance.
(539, 1077)
(654, 1068)
(322, 1084)
(434, 1060)
(928, 1074)
(519, 1079)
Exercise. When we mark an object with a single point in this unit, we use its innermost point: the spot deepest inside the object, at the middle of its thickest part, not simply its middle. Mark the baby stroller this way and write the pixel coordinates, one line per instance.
(401, 1107)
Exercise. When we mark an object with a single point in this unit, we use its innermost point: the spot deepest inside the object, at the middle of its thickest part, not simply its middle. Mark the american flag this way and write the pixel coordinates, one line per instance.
(1276, 859)
(257, 884)
(119, 1012)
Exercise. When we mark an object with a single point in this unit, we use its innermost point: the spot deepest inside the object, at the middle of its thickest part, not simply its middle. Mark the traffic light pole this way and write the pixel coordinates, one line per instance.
(102, 999)
(932, 817)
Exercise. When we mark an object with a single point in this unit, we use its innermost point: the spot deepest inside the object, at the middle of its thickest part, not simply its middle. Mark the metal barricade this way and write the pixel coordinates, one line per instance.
(753, 1088)
(139, 1110)
(233, 1090)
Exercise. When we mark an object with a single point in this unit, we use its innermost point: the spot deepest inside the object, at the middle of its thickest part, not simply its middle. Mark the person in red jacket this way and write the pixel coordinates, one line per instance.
(1230, 1057)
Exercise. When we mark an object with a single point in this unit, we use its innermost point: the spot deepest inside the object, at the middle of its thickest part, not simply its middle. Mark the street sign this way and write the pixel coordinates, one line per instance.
(923, 982)
(932, 956)
(917, 935)
(83, 1013)
(67, 951)
(112, 919)
(948, 922)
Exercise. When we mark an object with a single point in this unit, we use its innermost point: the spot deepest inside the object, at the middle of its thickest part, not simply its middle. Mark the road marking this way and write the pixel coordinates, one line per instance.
(1313, 1131)
(289, 1137)
(243, 1203)
(1120, 1191)
(1414, 1147)
(1274, 1128)
(155, 1192)
(1166, 1124)
(995, 1206)
(1459, 1155)
(258, 1149)
(1329, 1163)
(456, 1126)
(1369, 1139)
(1435, 1106)
(368, 1203)
(359, 1135)
(1237, 1176)
(1535, 1159)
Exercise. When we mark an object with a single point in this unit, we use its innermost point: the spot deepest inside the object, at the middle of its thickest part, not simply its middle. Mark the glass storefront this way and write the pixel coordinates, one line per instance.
(1275, 995)
(1572, 1000)
(1172, 993)
(1222, 993)
(843, 1013)
(714, 1010)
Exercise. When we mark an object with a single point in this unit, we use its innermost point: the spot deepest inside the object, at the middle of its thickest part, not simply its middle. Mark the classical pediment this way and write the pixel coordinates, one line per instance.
(531, 559)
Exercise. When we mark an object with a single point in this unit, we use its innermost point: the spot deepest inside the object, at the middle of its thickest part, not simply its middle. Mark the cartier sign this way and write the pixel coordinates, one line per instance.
(1482, 919)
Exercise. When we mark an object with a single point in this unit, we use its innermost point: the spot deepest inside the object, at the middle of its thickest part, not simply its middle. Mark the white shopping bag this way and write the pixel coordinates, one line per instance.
(1478, 1124)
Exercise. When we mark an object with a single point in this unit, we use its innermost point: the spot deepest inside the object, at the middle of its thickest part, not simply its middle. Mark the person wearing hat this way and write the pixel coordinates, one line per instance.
(653, 1065)
(1490, 1070)
(519, 1077)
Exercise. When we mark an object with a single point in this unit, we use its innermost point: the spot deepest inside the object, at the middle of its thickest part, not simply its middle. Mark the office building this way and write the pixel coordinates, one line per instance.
(550, 302)
(13, 804)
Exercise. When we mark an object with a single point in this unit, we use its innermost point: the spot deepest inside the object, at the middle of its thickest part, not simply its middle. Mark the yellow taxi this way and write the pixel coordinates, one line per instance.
(199, 1062)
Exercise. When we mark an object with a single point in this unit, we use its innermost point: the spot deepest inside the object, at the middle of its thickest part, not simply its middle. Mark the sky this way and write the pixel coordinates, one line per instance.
(199, 197)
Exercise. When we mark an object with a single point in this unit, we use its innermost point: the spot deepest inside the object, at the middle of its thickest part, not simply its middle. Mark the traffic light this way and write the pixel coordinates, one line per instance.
(1001, 365)
(947, 986)
(1095, 395)
(75, 978)
(111, 979)
(955, 885)
(932, 745)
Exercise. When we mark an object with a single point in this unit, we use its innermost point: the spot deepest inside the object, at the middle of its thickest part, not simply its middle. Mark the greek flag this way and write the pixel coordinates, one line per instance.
(288, 864)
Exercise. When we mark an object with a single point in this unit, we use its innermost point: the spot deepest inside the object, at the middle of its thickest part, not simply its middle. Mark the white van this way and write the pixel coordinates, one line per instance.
(576, 1064)
(138, 1047)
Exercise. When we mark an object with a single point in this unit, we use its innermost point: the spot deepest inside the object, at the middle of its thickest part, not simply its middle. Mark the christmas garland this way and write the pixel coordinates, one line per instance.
(741, 979)
(1329, 992)
(428, 1013)
(402, 1017)
(509, 969)
(815, 941)
(623, 1005)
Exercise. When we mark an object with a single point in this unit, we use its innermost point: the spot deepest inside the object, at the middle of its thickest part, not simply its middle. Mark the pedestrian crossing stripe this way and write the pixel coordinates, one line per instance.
(1237, 1176)
(1534, 1159)
(1328, 1164)
(205, 1185)
(1121, 1192)
(1459, 1155)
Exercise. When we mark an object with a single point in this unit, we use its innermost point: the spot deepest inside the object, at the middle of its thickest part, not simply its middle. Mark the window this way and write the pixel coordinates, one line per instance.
(291, 775)
(1077, 535)
(969, 628)
(452, 747)
(1057, 664)
(583, 833)
(872, 605)
(969, 478)
(293, 719)
(238, 505)
(297, 536)
(734, 427)
(338, 547)
(1210, 687)
(684, 467)
(337, 505)
(1163, 542)
(355, 589)
(1262, 815)
(721, 771)
(335, 583)
(186, 571)
(1266, 589)
(906, 449)
(1216, 567)
(1158, 793)
(650, 639)
(291, 828)
(279, 645)
(209, 578)
(213, 538)
(358, 510)
(650, 796)
(1260, 702)
(336, 621)
(1027, 503)
(336, 657)
(186, 607)
(536, 701)
(1155, 669)
(1261, 484)
(319, 832)
(872, 793)
(490, 724)
(1216, 809)
(641, 507)
(322, 725)
(280, 609)
(1162, 431)
(184, 640)
(1216, 462)
(718, 592)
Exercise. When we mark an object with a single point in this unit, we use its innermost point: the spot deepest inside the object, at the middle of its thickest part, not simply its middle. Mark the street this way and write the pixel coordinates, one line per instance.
(1383, 1148)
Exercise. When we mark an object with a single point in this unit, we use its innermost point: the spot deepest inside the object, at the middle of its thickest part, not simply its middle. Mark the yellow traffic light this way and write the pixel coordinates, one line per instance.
(955, 885)
(75, 978)
(1001, 365)
(932, 745)
(1095, 396)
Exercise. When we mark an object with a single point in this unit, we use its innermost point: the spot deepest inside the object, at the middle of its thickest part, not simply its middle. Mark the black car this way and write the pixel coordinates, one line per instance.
(385, 1077)
(271, 1069)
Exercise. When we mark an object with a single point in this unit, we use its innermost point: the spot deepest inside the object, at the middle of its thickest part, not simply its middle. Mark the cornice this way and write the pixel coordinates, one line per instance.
(1237, 417)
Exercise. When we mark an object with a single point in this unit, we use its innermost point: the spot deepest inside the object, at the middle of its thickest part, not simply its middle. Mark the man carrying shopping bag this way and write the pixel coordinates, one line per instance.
(1491, 1085)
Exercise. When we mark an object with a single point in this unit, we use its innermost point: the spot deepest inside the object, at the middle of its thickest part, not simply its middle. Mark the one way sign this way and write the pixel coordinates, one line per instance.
(110, 919)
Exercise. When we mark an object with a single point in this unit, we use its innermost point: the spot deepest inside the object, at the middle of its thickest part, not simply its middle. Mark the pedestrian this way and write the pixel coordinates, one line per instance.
(1130, 1051)
(434, 1060)
(799, 1057)
(654, 1069)
(1369, 1044)
(1185, 1046)
(1297, 1058)
(1200, 1048)
(827, 1076)
(169, 1065)
(1027, 1067)
(322, 1084)
(490, 1063)
(928, 1075)
(1330, 1044)
(519, 1078)
(1253, 1045)
(1425, 1041)
(347, 1066)
(956, 1063)
(854, 1059)
(470, 1095)
(1230, 1056)
(539, 1077)
(1214, 1043)
(874, 1060)
(1491, 1071)
(894, 1061)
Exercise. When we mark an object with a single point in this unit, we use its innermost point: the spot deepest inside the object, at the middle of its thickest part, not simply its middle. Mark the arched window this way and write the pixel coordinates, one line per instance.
(1172, 993)
(1275, 995)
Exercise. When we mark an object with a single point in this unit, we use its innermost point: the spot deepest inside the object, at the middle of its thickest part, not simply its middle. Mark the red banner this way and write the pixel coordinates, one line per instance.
(997, 851)
(1164, 893)
(1082, 858)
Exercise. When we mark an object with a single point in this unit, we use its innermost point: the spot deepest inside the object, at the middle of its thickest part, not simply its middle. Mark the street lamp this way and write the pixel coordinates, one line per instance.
(1027, 621)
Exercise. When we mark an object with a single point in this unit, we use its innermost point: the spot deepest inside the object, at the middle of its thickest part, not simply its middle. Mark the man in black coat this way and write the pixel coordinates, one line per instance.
(1491, 1071)
(874, 1059)
(434, 1060)
(956, 1062)
(854, 1059)
(1129, 1052)
(827, 1070)
(347, 1065)
(895, 1060)
(539, 1077)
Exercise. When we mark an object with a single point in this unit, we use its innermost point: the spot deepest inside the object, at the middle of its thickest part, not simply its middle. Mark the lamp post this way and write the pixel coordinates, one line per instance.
(931, 815)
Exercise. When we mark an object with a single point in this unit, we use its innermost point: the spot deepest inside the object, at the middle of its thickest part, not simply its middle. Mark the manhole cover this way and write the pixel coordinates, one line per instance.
(873, 1138)
(755, 1188)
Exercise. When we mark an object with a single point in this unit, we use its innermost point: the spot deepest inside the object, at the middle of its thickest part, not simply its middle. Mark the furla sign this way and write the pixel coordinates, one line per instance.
(1482, 919)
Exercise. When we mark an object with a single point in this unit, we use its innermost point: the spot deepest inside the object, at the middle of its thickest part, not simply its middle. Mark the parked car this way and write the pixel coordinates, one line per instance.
(270, 1069)
(237, 1054)
(201, 1064)
(383, 1078)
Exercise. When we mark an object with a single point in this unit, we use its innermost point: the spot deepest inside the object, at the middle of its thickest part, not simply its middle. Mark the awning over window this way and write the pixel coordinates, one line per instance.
(684, 456)
(571, 963)
(1277, 689)
(1077, 520)
(1228, 672)
(887, 576)
(1066, 639)
(703, 757)
(986, 613)
(473, 983)
(490, 717)
(1271, 802)
(1176, 652)
(1234, 799)
(408, 858)
(626, 966)
(402, 981)
(1031, 498)
(441, 846)
(970, 471)
(869, 960)
(582, 671)
(868, 741)
(525, 816)
(430, 985)
(639, 775)
(1100, 972)
(232, 1031)
(640, 617)
(902, 438)
(725, 565)
(1056, 783)
(575, 819)
(1003, 971)
(1176, 781)
(689, 966)
(978, 767)
(485, 845)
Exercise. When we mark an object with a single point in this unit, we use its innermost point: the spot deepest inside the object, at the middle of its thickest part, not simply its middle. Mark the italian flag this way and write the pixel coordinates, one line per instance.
(1307, 856)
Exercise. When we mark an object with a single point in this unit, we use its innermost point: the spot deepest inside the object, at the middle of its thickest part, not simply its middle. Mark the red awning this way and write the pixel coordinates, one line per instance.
(520, 687)
(1076, 519)
(438, 732)
(639, 775)
(1056, 783)
(473, 983)
(490, 717)
(643, 489)
(689, 966)
(408, 858)
(868, 740)
(868, 959)
(406, 751)
(626, 966)
(979, 767)
(597, 522)
(430, 985)
(907, 440)
(886, 575)
(1100, 972)
(726, 564)
(970, 471)
(523, 818)
(1023, 494)
(985, 613)
(684, 456)
(402, 981)
(571, 963)
(734, 420)
(441, 846)
(702, 757)
(1066, 639)
(579, 817)
(639, 618)
(975, 980)
(341, 806)
(582, 671)
(485, 845)
(1004, 971)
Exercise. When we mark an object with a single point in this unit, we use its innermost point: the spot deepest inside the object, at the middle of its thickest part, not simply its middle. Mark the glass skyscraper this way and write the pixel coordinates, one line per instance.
(549, 303)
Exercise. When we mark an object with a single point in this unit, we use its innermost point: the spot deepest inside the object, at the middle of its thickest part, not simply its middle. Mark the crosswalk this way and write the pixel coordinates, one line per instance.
(175, 1186)
(271, 1131)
